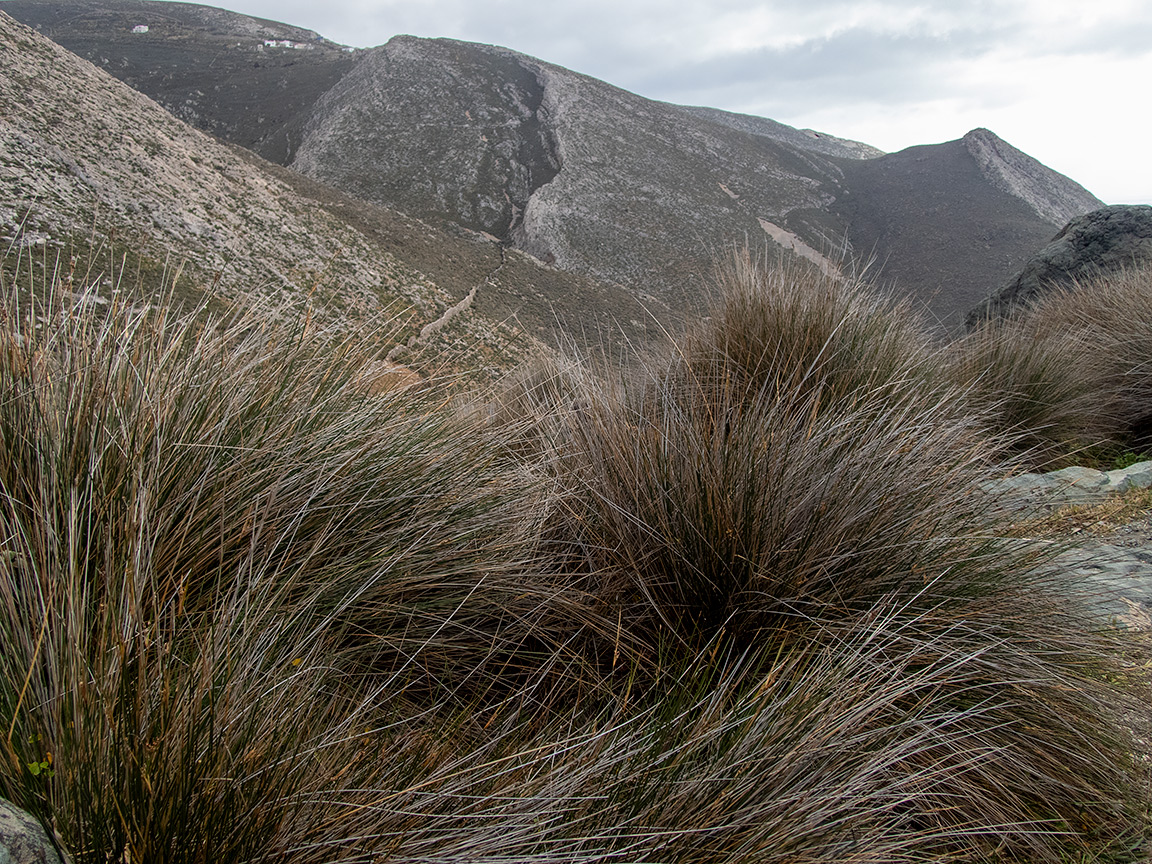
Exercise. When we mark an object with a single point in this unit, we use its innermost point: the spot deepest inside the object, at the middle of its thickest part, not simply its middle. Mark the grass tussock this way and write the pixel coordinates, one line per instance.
(216, 550)
(819, 489)
(783, 333)
(742, 602)
(1069, 376)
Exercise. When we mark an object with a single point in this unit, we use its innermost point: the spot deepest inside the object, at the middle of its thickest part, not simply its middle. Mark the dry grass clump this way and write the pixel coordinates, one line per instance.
(1034, 389)
(786, 504)
(790, 332)
(741, 603)
(217, 553)
(1111, 318)
(1069, 377)
(793, 458)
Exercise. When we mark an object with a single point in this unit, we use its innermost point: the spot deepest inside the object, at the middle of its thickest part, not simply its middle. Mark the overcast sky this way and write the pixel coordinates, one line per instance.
(1066, 81)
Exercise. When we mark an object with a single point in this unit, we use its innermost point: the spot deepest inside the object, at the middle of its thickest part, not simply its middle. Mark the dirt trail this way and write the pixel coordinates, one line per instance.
(433, 327)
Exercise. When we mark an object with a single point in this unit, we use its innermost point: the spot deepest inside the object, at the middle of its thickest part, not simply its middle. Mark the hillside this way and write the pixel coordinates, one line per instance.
(947, 219)
(633, 194)
(209, 67)
(601, 181)
(93, 168)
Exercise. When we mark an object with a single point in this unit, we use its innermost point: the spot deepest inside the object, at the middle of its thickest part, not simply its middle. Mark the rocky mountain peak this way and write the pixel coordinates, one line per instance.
(1054, 197)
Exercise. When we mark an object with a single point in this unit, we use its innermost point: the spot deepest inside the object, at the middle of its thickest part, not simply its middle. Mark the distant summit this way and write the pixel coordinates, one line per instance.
(1051, 195)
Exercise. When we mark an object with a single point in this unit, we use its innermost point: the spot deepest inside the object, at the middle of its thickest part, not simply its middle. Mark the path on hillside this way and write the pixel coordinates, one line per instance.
(433, 327)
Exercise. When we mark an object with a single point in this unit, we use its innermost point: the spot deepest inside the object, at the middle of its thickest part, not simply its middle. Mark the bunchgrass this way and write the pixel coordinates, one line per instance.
(790, 332)
(1068, 376)
(217, 548)
(821, 489)
(1037, 390)
(741, 602)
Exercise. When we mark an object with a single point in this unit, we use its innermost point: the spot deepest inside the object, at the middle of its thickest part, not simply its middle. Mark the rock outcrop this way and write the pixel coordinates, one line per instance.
(1099, 242)
(1025, 493)
(1113, 575)
(23, 840)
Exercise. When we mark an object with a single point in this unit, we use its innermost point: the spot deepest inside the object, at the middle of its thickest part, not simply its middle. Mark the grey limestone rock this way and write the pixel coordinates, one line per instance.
(1112, 578)
(23, 840)
(1032, 493)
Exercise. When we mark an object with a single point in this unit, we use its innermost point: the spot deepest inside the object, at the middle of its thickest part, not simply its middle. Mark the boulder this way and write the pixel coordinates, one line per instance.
(1026, 495)
(23, 840)
(1094, 244)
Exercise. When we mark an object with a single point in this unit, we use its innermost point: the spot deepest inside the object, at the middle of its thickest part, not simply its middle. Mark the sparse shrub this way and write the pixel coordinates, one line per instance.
(1128, 459)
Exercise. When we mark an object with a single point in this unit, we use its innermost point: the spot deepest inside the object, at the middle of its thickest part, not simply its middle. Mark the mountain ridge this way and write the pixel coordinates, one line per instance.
(636, 195)
(86, 159)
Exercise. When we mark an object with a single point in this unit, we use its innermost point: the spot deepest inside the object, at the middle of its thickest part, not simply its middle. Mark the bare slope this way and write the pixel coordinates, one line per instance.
(80, 149)
(946, 221)
(209, 67)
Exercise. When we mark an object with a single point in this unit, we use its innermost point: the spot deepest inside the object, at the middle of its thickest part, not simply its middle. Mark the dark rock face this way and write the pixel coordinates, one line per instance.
(23, 839)
(437, 129)
(1096, 243)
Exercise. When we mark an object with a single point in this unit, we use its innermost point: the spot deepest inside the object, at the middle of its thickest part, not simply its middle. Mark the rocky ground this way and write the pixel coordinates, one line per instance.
(1104, 519)
(1106, 540)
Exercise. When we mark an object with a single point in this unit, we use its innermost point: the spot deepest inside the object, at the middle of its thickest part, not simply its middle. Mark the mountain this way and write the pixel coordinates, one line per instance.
(597, 180)
(636, 195)
(209, 67)
(92, 170)
(953, 219)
